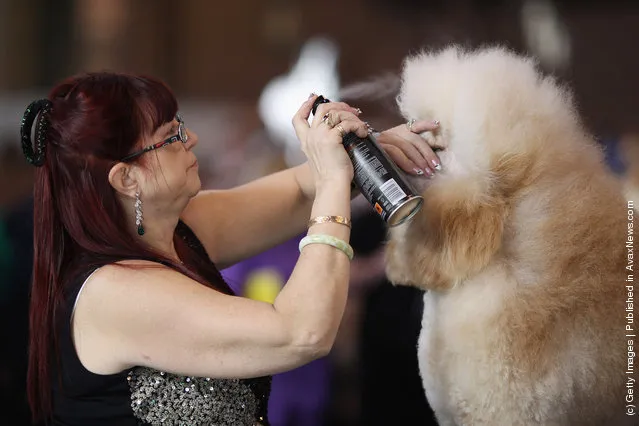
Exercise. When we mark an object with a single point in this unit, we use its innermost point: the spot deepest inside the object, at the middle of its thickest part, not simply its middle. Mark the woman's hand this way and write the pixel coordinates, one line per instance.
(409, 150)
(322, 142)
(403, 145)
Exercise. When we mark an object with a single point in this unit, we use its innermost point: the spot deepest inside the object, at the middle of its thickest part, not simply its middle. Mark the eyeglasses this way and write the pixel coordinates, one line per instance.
(181, 136)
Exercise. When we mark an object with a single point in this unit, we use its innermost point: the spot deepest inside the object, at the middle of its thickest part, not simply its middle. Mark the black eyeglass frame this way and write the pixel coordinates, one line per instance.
(181, 136)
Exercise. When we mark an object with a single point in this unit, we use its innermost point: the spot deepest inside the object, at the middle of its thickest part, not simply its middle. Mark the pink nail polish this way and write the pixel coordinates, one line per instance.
(436, 122)
(418, 171)
(437, 166)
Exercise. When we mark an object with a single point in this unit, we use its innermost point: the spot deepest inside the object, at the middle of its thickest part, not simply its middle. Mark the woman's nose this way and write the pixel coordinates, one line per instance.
(193, 139)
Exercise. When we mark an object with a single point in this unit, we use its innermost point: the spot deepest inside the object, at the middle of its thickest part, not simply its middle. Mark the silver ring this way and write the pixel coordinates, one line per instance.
(410, 124)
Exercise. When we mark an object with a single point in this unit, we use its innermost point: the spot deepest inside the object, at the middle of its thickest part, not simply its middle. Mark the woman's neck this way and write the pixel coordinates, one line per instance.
(159, 230)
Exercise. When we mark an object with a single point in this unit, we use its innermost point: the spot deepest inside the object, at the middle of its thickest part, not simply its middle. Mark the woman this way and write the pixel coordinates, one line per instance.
(131, 322)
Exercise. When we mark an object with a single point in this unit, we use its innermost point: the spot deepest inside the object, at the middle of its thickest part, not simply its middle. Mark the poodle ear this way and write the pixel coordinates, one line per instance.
(467, 231)
(468, 218)
(455, 235)
(460, 227)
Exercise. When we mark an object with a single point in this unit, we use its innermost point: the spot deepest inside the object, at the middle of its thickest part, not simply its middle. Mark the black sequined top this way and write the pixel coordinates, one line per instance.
(143, 396)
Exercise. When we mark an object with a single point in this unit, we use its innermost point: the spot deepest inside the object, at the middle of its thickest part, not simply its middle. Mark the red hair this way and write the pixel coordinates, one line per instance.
(95, 120)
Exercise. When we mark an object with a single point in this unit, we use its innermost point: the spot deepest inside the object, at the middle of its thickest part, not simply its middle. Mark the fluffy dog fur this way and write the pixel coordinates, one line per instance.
(520, 246)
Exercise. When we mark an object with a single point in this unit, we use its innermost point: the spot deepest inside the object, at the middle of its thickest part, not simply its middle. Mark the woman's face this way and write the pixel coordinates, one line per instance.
(171, 171)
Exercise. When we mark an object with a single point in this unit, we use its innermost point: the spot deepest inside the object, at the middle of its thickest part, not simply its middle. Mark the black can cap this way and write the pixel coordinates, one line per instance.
(320, 100)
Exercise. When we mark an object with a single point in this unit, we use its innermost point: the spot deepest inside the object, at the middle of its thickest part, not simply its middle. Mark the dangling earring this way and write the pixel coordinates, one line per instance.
(138, 214)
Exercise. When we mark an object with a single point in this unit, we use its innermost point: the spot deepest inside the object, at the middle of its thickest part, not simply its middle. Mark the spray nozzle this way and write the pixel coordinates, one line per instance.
(320, 100)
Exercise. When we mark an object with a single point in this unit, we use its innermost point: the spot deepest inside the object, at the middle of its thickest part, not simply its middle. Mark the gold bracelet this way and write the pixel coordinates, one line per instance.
(330, 219)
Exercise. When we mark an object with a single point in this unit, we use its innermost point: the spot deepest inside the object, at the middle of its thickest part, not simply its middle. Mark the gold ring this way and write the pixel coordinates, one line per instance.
(410, 124)
(327, 119)
(341, 130)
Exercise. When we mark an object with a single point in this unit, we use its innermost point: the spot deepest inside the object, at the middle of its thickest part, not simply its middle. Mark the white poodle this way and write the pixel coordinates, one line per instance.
(520, 246)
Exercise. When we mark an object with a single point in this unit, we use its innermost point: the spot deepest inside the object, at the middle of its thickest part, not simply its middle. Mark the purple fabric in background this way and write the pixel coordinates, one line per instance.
(300, 396)
(614, 158)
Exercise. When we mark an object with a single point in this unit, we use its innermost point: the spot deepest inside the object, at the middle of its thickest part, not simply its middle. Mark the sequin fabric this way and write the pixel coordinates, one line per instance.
(159, 398)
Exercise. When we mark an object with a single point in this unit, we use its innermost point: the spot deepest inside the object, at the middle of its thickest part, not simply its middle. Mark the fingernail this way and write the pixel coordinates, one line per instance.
(359, 111)
(311, 95)
(369, 127)
(437, 166)
(418, 171)
(436, 122)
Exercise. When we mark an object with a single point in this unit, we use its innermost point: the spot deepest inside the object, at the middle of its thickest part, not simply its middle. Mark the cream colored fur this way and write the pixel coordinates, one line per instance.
(520, 246)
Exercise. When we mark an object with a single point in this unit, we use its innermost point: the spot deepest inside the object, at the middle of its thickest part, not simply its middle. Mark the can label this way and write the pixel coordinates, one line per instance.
(378, 178)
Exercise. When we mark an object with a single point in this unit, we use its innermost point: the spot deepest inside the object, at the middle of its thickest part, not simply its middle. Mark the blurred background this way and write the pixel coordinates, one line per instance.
(240, 70)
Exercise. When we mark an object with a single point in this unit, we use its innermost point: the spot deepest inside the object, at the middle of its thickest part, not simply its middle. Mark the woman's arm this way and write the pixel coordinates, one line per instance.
(153, 316)
(238, 223)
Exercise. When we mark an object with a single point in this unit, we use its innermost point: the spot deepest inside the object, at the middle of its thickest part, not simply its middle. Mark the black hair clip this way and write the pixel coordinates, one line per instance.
(35, 153)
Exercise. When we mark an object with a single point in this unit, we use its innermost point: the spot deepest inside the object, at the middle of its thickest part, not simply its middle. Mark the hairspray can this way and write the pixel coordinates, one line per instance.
(379, 179)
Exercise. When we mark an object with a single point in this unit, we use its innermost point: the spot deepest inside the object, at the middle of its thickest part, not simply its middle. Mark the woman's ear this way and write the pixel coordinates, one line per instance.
(124, 179)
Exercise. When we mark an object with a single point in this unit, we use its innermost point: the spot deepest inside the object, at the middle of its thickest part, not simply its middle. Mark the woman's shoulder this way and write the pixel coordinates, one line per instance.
(108, 281)
(144, 277)
(130, 271)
